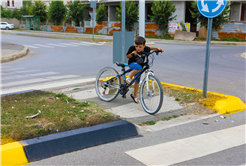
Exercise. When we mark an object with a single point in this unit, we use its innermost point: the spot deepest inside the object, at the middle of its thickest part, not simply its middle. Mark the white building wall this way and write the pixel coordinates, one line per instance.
(17, 4)
(180, 11)
(235, 11)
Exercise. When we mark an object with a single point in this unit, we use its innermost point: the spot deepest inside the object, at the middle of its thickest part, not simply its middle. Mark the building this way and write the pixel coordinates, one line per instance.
(11, 4)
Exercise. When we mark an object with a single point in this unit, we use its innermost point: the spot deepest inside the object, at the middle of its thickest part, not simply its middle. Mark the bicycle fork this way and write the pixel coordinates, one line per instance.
(149, 93)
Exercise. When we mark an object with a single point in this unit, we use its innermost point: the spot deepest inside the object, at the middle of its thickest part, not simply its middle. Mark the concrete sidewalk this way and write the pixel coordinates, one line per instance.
(126, 108)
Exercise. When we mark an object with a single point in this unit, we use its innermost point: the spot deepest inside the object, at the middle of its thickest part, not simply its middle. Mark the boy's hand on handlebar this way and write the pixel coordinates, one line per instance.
(160, 50)
(134, 53)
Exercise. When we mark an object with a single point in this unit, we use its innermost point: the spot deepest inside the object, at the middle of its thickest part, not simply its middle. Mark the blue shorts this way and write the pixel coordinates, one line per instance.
(135, 66)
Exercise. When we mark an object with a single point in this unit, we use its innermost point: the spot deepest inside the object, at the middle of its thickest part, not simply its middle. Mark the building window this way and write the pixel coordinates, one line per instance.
(8, 3)
(13, 3)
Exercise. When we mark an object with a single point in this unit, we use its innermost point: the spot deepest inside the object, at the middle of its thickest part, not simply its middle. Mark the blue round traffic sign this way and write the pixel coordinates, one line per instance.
(211, 8)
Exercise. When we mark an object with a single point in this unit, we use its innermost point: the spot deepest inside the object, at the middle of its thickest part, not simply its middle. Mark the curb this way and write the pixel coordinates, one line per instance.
(229, 105)
(24, 152)
(15, 56)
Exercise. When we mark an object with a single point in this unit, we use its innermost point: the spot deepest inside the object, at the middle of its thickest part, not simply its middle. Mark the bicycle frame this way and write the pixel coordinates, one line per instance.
(146, 67)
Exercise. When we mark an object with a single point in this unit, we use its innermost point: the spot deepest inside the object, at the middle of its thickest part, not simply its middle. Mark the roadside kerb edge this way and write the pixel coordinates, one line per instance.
(24, 152)
(13, 154)
(15, 56)
(229, 105)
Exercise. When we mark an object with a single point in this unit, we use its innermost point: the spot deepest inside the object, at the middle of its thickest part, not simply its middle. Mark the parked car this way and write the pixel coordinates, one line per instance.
(5, 25)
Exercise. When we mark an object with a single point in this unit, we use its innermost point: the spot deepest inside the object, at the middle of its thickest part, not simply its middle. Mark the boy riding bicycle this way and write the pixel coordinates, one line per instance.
(136, 63)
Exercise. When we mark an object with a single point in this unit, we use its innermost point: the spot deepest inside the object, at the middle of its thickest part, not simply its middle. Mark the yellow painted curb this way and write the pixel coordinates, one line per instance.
(228, 105)
(13, 154)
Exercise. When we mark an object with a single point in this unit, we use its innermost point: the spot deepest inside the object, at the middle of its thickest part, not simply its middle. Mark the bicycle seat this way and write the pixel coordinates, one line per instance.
(121, 64)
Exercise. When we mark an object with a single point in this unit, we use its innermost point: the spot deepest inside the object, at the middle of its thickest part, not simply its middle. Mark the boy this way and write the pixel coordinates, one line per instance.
(139, 46)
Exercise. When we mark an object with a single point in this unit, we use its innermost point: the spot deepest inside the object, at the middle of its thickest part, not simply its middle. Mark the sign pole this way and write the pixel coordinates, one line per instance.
(123, 9)
(93, 22)
(93, 15)
(209, 34)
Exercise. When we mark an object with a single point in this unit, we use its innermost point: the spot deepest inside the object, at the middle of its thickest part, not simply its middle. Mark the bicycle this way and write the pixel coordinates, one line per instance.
(108, 84)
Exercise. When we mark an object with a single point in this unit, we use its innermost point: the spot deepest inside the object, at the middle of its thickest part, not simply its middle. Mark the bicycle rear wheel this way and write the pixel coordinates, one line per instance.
(151, 98)
(107, 84)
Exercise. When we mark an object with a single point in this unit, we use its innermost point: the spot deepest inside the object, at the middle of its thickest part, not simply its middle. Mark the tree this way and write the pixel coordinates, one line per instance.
(102, 13)
(163, 14)
(131, 14)
(76, 12)
(16, 14)
(24, 10)
(217, 21)
(39, 9)
(57, 11)
(2, 11)
(7, 14)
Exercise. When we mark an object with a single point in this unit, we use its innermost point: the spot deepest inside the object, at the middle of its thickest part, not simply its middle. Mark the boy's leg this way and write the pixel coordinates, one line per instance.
(133, 73)
(136, 69)
(136, 86)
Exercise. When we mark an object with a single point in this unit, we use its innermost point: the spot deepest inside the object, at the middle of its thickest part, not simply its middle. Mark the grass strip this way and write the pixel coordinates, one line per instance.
(58, 113)
(187, 96)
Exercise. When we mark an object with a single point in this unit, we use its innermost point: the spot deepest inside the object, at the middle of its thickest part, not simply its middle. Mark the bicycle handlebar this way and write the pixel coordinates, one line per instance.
(143, 54)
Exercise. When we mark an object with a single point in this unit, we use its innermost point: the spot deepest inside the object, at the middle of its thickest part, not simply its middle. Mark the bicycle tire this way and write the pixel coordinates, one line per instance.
(146, 97)
(107, 93)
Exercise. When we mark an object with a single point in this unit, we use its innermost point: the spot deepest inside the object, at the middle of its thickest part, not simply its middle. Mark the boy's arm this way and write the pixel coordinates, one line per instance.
(156, 48)
(130, 55)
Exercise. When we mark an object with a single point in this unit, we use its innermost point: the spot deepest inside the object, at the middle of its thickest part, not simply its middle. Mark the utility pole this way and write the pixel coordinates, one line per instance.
(142, 18)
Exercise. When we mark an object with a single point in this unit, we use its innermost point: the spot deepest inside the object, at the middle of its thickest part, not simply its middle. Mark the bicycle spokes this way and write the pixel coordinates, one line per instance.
(151, 95)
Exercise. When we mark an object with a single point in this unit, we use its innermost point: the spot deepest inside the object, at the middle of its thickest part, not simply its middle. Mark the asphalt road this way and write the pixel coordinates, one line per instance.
(181, 64)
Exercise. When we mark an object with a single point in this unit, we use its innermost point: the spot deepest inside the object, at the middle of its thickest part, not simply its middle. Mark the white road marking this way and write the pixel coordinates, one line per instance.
(47, 85)
(11, 69)
(41, 45)
(28, 75)
(31, 46)
(37, 80)
(190, 148)
(81, 44)
(57, 45)
(68, 44)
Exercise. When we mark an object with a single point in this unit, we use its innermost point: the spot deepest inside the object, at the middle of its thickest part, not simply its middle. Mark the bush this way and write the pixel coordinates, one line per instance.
(16, 14)
(7, 14)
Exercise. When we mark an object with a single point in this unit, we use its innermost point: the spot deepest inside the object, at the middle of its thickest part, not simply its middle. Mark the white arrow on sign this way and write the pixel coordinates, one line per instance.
(204, 7)
(219, 2)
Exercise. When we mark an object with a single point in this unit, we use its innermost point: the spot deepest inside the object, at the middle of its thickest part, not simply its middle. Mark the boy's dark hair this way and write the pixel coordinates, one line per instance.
(140, 40)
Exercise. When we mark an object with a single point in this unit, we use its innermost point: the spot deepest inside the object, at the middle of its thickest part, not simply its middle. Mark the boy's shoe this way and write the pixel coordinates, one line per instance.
(128, 80)
(134, 99)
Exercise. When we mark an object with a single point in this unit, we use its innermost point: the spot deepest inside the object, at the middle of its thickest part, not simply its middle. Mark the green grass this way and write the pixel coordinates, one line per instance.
(167, 37)
(171, 117)
(148, 123)
(58, 113)
(184, 96)
(76, 88)
(235, 39)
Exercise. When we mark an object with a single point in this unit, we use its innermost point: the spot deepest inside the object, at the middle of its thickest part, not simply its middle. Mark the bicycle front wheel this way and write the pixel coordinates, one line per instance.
(107, 84)
(151, 95)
